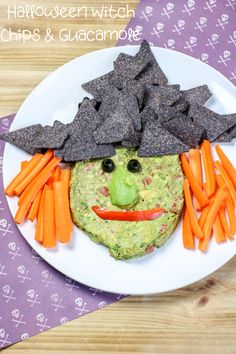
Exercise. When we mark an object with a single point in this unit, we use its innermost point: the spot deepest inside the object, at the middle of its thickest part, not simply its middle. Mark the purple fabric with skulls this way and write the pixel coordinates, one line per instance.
(34, 297)
(203, 29)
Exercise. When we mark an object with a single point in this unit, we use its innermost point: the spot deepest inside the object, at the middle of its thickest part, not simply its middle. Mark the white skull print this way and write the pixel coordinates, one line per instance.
(15, 313)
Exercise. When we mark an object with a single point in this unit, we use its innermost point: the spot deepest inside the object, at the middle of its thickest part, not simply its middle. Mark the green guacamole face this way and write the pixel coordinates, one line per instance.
(159, 183)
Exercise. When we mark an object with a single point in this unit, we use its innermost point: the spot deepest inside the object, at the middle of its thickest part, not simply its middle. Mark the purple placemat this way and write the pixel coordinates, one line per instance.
(203, 29)
(34, 297)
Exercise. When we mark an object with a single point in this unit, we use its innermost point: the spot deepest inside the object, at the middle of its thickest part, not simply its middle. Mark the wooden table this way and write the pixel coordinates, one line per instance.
(198, 319)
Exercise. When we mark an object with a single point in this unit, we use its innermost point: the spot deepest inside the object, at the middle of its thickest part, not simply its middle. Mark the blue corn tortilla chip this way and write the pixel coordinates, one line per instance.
(78, 150)
(181, 105)
(184, 129)
(116, 128)
(113, 99)
(97, 86)
(130, 66)
(161, 95)
(213, 123)
(157, 141)
(223, 138)
(197, 95)
(147, 115)
(152, 73)
(133, 141)
(24, 138)
(51, 137)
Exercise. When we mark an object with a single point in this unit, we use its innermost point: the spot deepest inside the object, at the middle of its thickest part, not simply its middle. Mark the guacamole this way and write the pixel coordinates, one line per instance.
(158, 183)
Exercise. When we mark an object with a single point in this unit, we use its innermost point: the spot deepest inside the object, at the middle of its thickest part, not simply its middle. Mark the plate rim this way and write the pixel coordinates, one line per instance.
(51, 75)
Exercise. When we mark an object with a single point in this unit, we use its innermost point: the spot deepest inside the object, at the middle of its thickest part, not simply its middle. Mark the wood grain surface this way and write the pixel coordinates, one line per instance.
(198, 319)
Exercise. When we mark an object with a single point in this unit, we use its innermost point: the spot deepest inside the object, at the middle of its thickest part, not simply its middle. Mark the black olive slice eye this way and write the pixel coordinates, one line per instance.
(134, 166)
(108, 165)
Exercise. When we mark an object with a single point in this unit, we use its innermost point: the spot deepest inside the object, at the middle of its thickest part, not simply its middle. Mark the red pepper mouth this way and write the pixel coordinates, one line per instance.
(130, 215)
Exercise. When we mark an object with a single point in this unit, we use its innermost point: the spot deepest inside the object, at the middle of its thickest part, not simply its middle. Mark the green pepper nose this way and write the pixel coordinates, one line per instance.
(122, 189)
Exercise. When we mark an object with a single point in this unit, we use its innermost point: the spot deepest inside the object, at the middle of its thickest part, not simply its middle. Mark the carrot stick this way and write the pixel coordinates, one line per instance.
(218, 230)
(194, 184)
(195, 164)
(187, 234)
(229, 168)
(35, 207)
(22, 174)
(224, 223)
(23, 165)
(39, 227)
(210, 219)
(33, 173)
(57, 174)
(33, 189)
(227, 180)
(208, 168)
(49, 227)
(189, 205)
(50, 181)
(62, 212)
(229, 206)
(65, 178)
(204, 214)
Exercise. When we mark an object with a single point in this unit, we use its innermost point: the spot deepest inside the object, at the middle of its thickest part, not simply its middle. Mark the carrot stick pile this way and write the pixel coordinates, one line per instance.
(210, 197)
(43, 191)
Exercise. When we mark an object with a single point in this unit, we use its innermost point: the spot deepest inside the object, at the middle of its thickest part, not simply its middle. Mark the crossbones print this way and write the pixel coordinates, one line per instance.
(32, 297)
(212, 41)
(17, 317)
(7, 293)
(232, 38)
(80, 306)
(23, 274)
(5, 227)
(158, 29)
(222, 21)
(147, 13)
(71, 284)
(179, 27)
(224, 58)
(201, 24)
(42, 322)
(4, 338)
(56, 302)
(210, 5)
(189, 7)
(14, 250)
(168, 10)
(191, 43)
(231, 3)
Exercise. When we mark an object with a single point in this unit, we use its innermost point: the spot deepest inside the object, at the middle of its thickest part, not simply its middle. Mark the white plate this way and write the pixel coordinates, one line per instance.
(172, 266)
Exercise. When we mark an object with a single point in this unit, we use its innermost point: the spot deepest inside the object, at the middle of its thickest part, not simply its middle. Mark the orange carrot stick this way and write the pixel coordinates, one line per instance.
(204, 214)
(49, 227)
(34, 172)
(22, 174)
(229, 206)
(62, 212)
(187, 234)
(57, 174)
(224, 223)
(39, 227)
(33, 189)
(35, 207)
(210, 219)
(218, 230)
(195, 164)
(189, 205)
(194, 184)
(23, 165)
(227, 180)
(226, 163)
(208, 168)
